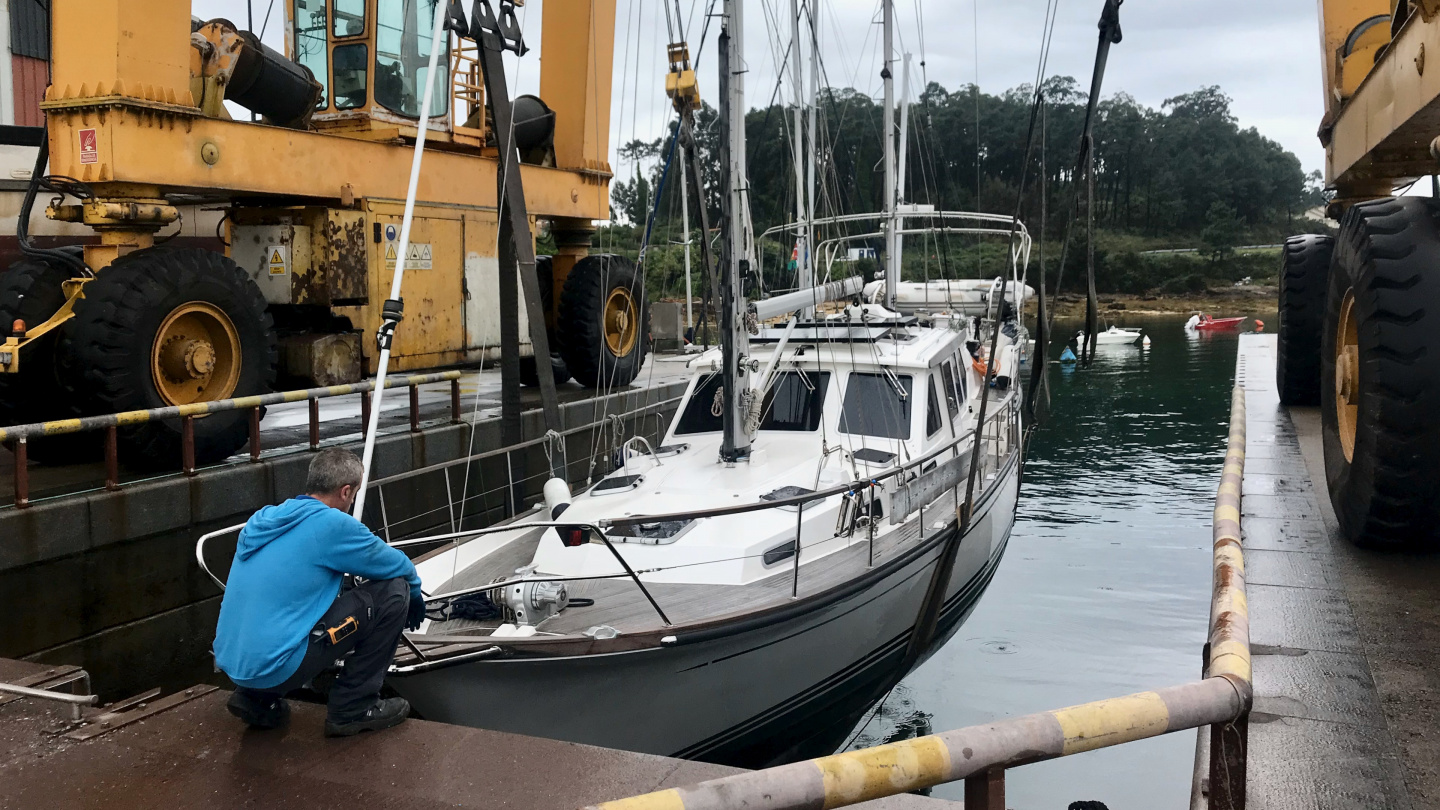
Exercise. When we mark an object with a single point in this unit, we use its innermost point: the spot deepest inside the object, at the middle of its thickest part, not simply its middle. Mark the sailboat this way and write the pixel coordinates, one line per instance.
(827, 506)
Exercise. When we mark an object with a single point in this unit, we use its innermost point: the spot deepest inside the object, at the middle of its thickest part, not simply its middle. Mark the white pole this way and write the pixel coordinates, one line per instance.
(904, 155)
(814, 139)
(400, 251)
(797, 71)
(892, 247)
(685, 220)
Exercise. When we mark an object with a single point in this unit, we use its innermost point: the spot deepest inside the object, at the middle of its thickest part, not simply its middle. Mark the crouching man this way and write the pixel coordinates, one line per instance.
(284, 618)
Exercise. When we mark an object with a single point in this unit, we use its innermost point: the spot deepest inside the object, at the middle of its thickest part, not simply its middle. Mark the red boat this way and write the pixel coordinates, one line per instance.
(1207, 323)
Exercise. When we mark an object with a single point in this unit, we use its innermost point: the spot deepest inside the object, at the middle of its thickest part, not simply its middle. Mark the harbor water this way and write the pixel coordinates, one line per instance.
(1105, 588)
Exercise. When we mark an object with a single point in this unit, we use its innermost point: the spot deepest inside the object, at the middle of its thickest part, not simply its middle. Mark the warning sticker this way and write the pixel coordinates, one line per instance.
(278, 260)
(417, 257)
(89, 146)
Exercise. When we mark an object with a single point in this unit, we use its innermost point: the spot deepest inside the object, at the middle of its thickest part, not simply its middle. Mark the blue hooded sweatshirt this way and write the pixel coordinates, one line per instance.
(286, 574)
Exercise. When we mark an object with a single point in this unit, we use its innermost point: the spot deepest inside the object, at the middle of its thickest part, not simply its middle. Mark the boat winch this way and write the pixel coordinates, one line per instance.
(530, 601)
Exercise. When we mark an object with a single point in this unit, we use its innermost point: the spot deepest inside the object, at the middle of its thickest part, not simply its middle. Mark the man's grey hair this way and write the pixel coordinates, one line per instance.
(332, 469)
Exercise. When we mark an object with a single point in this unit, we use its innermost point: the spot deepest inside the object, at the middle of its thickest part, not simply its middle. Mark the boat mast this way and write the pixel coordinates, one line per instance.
(685, 226)
(735, 336)
(892, 242)
(900, 173)
(797, 70)
(813, 129)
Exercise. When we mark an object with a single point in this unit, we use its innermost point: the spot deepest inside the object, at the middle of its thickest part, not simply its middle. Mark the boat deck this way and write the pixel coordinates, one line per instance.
(620, 604)
(1344, 639)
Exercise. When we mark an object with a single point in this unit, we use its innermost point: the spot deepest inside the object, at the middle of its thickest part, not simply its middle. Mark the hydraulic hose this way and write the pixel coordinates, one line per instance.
(22, 227)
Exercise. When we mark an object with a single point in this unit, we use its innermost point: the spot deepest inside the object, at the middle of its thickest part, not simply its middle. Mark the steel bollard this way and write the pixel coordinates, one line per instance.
(112, 458)
(187, 444)
(414, 409)
(22, 473)
(314, 423)
(985, 791)
(255, 434)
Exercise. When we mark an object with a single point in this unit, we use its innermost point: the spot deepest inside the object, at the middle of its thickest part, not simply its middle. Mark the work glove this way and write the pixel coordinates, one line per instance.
(417, 612)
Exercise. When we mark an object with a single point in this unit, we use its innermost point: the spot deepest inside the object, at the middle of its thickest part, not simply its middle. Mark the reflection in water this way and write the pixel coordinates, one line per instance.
(1104, 590)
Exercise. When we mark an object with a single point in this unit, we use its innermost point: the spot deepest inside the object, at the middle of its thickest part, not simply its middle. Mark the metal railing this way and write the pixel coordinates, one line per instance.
(76, 701)
(17, 438)
(979, 755)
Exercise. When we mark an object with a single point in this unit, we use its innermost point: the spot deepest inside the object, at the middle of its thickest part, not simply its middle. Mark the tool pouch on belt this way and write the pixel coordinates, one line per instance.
(333, 629)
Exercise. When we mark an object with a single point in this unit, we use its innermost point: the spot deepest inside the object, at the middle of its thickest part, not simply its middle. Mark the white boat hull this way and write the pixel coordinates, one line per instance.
(735, 693)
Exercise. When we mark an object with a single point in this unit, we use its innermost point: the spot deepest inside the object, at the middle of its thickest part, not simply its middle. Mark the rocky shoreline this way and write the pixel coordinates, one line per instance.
(1221, 302)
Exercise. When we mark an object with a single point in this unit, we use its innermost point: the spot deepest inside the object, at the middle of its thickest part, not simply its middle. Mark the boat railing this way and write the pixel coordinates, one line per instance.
(17, 438)
(1219, 702)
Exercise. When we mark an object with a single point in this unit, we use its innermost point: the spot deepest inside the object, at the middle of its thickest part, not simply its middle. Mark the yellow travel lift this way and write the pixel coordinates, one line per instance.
(1360, 312)
(312, 196)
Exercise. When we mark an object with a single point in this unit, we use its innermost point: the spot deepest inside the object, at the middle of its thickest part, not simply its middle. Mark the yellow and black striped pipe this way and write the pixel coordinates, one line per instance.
(60, 426)
(887, 770)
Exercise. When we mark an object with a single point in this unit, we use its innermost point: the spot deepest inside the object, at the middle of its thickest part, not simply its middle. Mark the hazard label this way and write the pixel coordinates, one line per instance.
(277, 260)
(89, 146)
(417, 257)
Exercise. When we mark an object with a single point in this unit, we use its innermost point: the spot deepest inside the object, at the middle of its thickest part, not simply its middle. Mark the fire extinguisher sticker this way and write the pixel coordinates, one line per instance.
(89, 146)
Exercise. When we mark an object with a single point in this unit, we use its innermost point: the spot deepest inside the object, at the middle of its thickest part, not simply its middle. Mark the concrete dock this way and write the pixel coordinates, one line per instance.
(195, 755)
(1345, 640)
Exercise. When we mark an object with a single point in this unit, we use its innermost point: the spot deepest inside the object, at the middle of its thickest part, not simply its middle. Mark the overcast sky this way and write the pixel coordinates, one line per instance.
(1263, 53)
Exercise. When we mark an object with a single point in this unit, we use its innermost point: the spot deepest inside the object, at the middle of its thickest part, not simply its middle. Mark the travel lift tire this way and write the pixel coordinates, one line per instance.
(1304, 273)
(602, 322)
(1380, 367)
(162, 327)
(545, 274)
(31, 291)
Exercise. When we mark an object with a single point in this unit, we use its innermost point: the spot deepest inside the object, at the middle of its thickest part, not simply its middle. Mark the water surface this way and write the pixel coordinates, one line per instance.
(1105, 587)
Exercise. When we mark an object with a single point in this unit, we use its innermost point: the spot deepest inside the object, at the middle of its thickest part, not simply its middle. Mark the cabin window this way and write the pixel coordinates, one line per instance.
(402, 56)
(351, 62)
(952, 391)
(960, 377)
(877, 405)
(349, 18)
(795, 401)
(310, 44)
(702, 412)
(933, 420)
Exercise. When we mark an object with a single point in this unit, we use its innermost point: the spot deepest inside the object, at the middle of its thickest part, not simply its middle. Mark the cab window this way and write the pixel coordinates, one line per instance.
(310, 45)
(402, 56)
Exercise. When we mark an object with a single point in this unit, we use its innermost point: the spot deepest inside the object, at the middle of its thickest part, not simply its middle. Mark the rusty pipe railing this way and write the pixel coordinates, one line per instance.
(980, 754)
(17, 437)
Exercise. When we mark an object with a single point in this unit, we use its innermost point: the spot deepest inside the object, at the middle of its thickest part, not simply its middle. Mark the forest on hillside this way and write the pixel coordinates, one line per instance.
(1186, 175)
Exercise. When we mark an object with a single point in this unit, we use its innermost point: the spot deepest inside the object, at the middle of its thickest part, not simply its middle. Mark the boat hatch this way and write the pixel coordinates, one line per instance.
(871, 455)
(660, 533)
(619, 483)
(785, 493)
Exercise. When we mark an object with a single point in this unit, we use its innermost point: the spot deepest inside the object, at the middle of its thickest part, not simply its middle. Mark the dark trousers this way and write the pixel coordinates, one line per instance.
(380, 607)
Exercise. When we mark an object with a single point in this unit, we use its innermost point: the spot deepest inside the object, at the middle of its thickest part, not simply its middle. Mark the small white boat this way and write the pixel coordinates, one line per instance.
(1114, 336)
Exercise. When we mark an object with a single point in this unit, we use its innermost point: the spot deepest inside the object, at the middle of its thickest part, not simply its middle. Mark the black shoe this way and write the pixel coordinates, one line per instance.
(259, 709)
(384, 714)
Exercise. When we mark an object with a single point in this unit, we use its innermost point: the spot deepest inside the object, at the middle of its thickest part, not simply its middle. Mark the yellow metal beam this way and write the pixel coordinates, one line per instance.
(136, 145)
(1382, 136)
